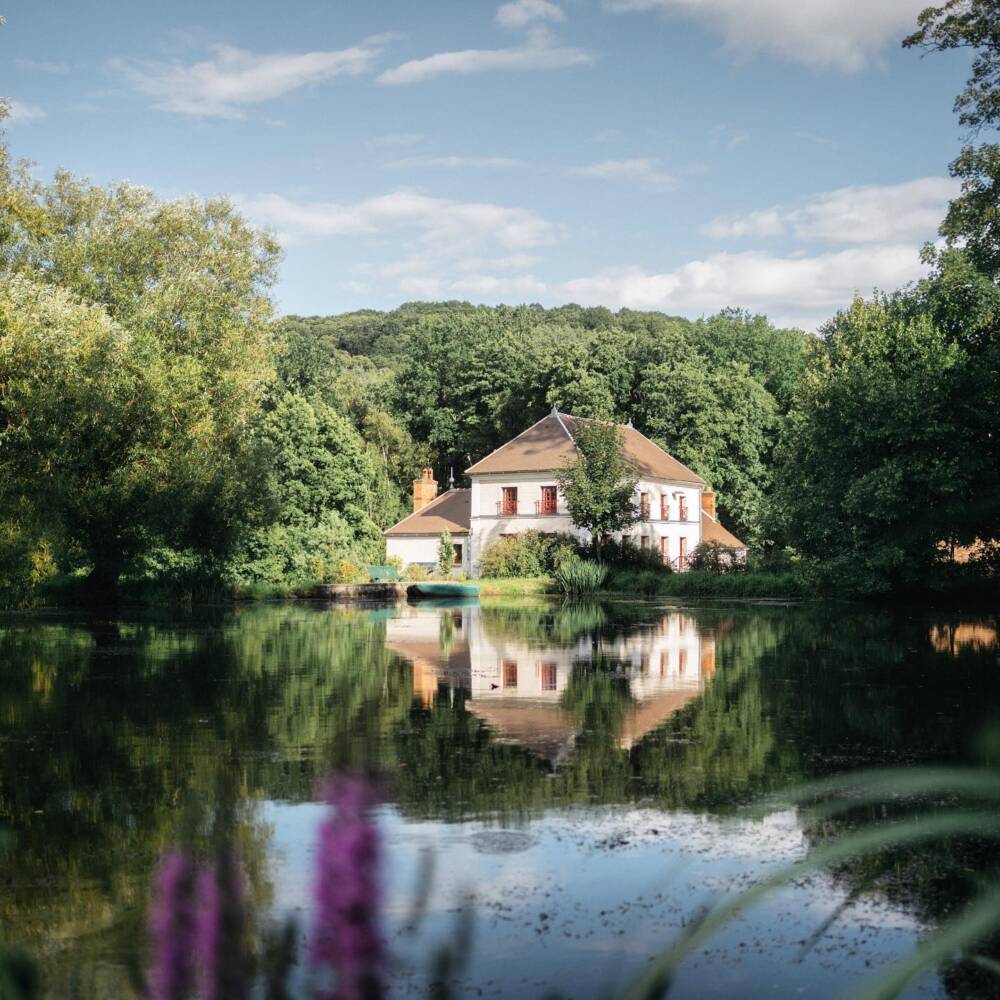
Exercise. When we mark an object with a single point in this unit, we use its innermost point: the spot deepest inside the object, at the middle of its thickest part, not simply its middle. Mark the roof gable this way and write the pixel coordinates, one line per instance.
(548, 445)
(448, 512)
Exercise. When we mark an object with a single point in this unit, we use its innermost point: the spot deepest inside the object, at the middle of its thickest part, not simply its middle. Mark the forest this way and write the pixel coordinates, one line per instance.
(162, 428)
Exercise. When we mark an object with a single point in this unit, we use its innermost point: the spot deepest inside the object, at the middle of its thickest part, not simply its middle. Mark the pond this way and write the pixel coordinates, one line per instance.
(564, 788)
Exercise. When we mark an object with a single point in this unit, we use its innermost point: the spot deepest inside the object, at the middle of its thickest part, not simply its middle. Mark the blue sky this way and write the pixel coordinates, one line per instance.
(682, 155)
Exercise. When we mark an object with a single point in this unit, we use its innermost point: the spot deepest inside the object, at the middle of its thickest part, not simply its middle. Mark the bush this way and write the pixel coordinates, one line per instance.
(529, 554)
(347, 571)
(627, 554)
(714, 557)
(416, 572)
(580, 576)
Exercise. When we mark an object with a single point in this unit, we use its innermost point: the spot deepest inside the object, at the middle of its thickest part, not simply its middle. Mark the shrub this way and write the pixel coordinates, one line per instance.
(627, 554)
(529, 554)
(445, 554)
(580, 576)
(347, 571)
(417, 572)
(714, 557)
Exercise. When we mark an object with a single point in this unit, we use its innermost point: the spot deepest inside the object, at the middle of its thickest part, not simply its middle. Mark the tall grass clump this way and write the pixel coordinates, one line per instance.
(580, 576)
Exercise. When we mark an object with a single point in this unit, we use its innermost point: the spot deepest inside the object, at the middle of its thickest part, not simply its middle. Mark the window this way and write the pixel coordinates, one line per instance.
(682, 661)
(665, 549)
(664, 663)
(549, 673)
(644, 663)
(684, 509)
(509, 673)
(548, 504)
(508, 505)
(664, 508)
(644, 505)
(682, 557)
(644, 541)
(458, 554)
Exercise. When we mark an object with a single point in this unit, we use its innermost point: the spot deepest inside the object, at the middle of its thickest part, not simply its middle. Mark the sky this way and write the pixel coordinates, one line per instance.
(680, 155)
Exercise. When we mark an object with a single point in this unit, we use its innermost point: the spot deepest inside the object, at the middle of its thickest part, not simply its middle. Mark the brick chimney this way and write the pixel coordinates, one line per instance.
(425, 490)
(708, 502)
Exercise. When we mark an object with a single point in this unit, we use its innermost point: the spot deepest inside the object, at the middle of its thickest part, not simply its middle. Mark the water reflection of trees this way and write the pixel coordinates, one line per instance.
(108, 730)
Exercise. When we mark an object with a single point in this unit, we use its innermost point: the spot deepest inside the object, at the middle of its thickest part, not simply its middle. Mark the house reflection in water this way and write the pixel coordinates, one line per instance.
(515, 682)
(973, 637)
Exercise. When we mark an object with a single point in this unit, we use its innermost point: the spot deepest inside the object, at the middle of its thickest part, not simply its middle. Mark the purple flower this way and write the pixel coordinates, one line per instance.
(346, 938)
(220, 931)
(171, 929)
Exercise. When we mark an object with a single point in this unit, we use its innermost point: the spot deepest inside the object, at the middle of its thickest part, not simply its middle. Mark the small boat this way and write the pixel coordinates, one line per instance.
(442, 588)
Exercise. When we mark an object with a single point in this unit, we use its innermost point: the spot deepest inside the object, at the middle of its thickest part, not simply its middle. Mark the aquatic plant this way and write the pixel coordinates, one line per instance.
(579, 576)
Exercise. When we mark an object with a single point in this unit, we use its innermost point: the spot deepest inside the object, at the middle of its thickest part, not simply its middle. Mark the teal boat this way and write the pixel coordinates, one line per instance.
(441, 589)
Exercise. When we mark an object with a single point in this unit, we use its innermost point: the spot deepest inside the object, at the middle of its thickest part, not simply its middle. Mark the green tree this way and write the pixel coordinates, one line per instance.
(598, 484)
(322, 481)
(973, 218)
(871, 474)
(171, 301)
(446, 553)
(722, 423)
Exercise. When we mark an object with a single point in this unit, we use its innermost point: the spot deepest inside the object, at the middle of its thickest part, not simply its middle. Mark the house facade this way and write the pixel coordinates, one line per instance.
(514, 490)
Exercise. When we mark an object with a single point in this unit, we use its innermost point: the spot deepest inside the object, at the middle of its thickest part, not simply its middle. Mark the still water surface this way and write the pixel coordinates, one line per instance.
(568, 784)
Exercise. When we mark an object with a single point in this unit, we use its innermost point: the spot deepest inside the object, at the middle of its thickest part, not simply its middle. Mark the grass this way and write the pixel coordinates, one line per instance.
(652, 583)
(697, 583)
(516, 586)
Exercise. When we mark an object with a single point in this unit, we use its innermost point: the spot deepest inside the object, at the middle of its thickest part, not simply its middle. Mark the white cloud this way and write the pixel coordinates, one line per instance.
(520, 13)
(893, 213)
(444, 226)
(637, 171)
(825, 34)
(223, 85)
(791, 289)
(19, 112)
(539, 52)
(455, 162)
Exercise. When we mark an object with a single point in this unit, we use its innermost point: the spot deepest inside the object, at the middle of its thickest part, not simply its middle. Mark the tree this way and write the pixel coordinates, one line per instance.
(446, 553)
(874, 470)
(598, 484)
(155, 320)
(973, 218)
(722, 423)
(322, 480)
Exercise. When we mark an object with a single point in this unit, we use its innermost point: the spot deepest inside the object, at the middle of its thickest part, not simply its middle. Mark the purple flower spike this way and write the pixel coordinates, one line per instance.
(220, 929)
(346, 939)
(171, 929)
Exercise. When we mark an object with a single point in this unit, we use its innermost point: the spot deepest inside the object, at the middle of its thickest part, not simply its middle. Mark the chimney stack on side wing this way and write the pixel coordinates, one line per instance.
(425, 490)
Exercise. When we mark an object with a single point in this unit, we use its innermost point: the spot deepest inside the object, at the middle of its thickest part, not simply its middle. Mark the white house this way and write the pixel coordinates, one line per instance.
(514, 490)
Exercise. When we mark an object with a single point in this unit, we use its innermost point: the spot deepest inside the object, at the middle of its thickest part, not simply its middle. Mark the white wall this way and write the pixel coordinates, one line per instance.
(487, 526)
(423, 548)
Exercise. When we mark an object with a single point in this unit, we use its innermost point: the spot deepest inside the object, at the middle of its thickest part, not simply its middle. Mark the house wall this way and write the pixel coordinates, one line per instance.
(487, 525)
(423, 549)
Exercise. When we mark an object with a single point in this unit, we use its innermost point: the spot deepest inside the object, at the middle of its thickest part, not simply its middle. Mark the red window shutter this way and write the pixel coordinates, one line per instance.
(509, 505)
(549, 673)
(664, 508)
(684, 509)
(510, 673)
(548, 499)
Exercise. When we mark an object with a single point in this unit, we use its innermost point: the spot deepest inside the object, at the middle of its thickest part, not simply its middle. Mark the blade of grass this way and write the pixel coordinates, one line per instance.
(974, 923)
(866, 841)
(875, 785)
